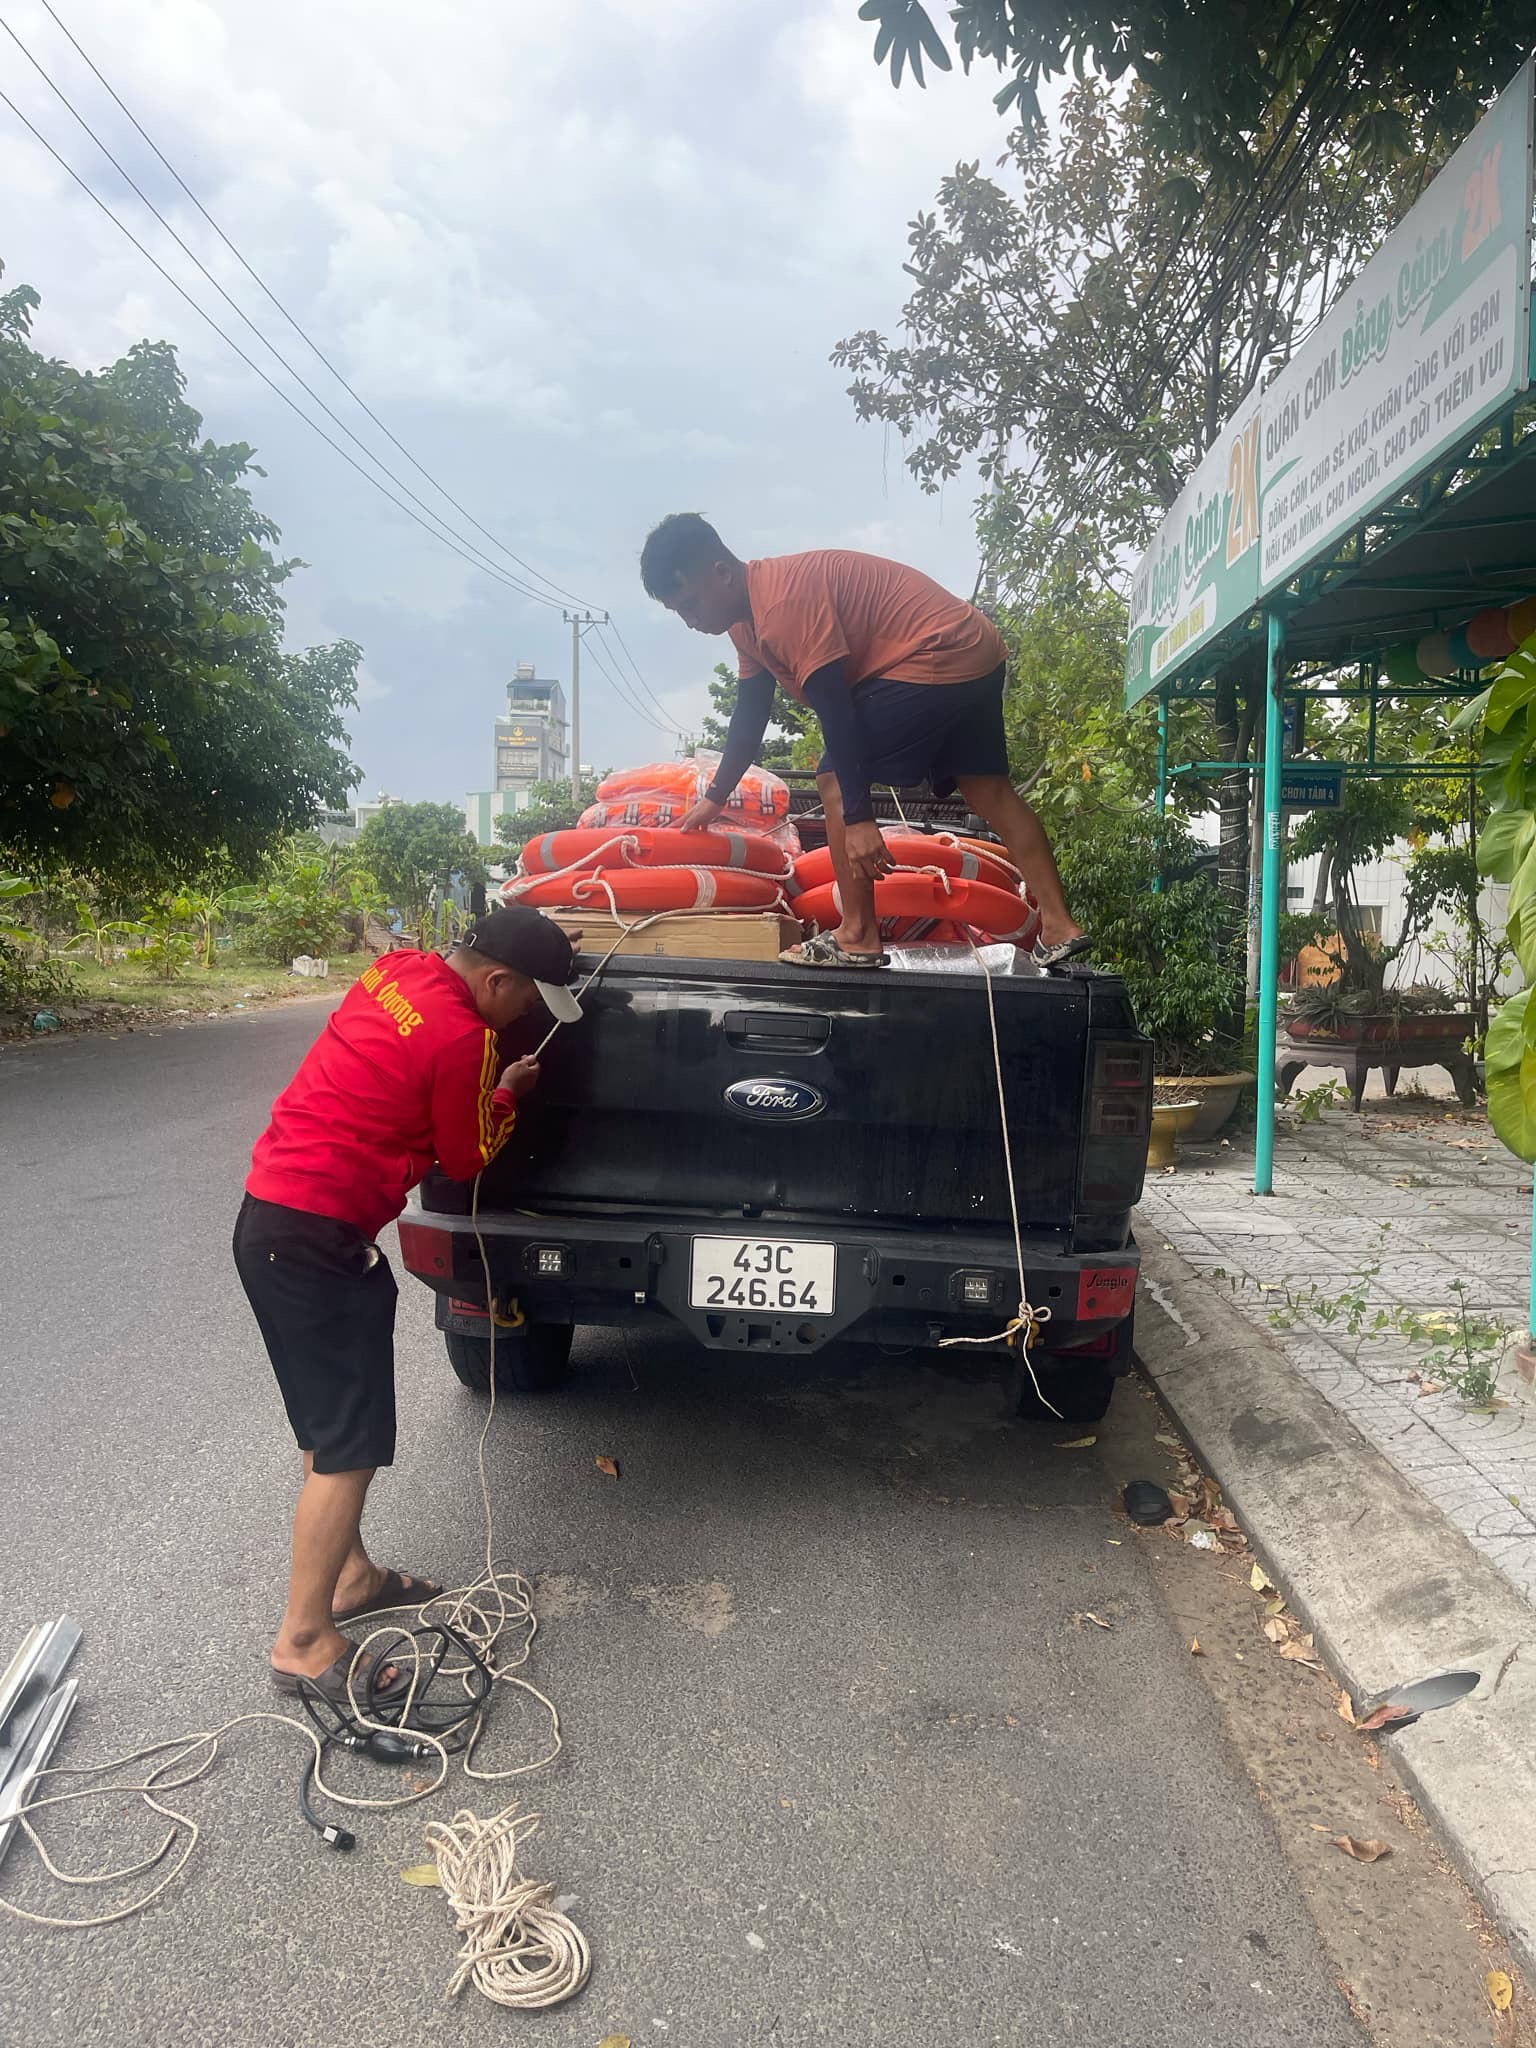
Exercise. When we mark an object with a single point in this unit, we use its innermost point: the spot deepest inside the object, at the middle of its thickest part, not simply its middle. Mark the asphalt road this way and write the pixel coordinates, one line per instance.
(840, 1767)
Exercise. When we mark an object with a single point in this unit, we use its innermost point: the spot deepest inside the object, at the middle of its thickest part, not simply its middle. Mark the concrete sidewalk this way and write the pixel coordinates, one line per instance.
(1399, 1524)
(1389, 1213)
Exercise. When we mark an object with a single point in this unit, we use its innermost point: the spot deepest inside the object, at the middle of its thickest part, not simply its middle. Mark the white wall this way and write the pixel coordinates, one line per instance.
(1382, 883)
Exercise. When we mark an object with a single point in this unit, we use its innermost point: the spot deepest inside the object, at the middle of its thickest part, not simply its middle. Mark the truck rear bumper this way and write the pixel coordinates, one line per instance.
(895, 1287)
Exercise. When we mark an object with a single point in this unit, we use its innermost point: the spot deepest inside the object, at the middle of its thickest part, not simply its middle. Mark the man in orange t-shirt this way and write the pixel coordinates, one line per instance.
(907, 681)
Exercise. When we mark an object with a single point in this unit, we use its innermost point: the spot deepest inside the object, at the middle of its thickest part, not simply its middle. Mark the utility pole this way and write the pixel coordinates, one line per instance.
(578, 623)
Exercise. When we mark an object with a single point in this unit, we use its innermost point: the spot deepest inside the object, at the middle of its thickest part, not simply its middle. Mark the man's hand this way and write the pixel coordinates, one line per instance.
(868, 855)
(521, 1078)
(702, 816)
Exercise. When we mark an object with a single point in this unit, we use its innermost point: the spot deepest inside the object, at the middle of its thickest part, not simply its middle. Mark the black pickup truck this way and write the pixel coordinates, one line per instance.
(769, 1158)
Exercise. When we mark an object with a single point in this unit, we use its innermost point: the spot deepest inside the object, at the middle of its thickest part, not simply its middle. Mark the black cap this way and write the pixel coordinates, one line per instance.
(521, 939)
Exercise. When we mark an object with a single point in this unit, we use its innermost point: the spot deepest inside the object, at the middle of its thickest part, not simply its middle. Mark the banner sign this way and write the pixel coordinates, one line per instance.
(1428, 342)
(1431, 340)
(1202, 570)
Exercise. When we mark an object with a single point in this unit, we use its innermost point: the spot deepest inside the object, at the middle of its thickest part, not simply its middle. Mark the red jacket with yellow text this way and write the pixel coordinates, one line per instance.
(403, 1074)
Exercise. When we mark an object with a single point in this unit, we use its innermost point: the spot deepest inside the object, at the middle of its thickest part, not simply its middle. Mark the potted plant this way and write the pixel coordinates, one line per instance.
(1141, 885)
(1354, 1005)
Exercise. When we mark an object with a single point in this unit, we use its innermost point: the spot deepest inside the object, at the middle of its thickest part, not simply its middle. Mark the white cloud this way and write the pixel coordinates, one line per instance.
(588, 264)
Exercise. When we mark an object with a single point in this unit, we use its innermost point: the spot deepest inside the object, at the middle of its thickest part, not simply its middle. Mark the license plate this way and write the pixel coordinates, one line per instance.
(778, 1275)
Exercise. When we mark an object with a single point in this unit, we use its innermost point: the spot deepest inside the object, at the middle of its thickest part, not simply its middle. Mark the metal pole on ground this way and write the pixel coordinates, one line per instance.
(1272, 889)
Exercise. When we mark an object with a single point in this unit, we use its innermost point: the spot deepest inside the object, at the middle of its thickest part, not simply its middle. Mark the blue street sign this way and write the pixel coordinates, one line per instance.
(1311, 789)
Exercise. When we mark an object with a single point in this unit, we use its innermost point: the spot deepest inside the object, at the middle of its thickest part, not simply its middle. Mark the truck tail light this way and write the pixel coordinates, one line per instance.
(1117, 1117)
(426, 1251)
(1120, 1089)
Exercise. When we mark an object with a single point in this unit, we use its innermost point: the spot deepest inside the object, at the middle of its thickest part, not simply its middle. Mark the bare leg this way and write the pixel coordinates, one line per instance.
(859, 932)
(325, 1537)
(994, 798)
(360, 1577)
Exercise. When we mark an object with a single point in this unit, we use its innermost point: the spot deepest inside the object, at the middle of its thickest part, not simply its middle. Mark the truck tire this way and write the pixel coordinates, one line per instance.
(1079, 1389)
(528, 1361)
(1078, 1393)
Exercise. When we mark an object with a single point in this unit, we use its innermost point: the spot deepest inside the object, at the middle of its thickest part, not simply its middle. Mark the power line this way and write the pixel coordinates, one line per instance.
(627, 696)
(635, 667)
(467, 549)
(475, 561)
(308, 389)
(267, 292)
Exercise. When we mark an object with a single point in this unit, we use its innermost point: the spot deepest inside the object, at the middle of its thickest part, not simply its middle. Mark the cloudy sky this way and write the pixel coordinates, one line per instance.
(587, 261)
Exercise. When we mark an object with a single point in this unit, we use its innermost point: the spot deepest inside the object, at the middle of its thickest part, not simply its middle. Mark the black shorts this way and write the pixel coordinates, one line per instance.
(324, 1299)
(930, 732)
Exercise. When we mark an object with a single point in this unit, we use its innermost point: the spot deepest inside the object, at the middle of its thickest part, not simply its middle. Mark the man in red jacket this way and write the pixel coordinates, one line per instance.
(407, 1071)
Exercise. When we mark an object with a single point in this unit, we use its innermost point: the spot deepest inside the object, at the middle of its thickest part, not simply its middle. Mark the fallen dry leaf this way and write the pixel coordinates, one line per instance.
(1362, 1852)
(1276, 1630)
(1181, 1504)
(610, 1466)
(1385, 1717)
(1083, 1615)
(1299, 1651)
(1346, 1709)
(1259, 1580)
(1194, 1647)
(615, 2041)
(1077, 1443)
(1501, 1991)
(1171, 1443)
(1224, 1519)
(421, 1873)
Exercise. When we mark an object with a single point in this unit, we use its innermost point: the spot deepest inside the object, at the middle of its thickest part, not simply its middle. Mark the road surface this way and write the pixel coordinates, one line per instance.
(840, 1766)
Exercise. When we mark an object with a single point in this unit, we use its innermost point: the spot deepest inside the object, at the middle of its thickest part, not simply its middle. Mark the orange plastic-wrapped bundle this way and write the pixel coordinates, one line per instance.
(937, 878)
(663, 793)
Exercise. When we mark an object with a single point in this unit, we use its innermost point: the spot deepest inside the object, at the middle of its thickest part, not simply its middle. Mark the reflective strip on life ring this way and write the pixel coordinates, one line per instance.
(654, 846)
(968, 862)
(976, 904)
(646, 889)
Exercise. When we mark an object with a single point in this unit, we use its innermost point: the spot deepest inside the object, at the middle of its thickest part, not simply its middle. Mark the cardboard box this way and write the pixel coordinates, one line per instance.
(694, 935)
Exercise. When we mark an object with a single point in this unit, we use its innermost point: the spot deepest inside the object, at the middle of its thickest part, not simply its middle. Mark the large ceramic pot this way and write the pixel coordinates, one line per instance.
(1215, 1097)
(1170, 1122)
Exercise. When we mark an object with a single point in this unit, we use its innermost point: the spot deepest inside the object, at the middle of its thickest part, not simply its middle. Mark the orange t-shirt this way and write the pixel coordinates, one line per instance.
(878, 618)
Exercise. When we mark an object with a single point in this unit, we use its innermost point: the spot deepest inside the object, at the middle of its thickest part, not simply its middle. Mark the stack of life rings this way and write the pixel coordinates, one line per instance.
(945, 890)
(635, 871)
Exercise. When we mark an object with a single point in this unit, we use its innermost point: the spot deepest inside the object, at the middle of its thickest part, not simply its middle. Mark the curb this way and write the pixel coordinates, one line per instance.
(1390, 1589)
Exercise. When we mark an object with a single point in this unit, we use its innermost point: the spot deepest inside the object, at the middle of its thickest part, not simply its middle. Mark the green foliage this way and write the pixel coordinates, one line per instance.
(793, 737)
(29, 984)
(166, 942)
(1510, 1057)
(316, 899)
(148, 712)
(1173, 947)
(1219, 77)
(414, 851)
(550, 808)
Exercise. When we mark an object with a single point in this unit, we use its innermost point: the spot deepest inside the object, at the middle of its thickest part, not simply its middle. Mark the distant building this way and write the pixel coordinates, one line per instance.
(362, 812)
(481, 810)
(532, 743)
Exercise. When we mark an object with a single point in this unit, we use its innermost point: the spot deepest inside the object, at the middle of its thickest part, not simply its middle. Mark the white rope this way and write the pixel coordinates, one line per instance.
(1027, 1322)
(518, 1948)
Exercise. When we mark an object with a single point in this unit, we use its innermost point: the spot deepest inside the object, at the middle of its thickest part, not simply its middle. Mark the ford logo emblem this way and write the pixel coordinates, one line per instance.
(786, 1101)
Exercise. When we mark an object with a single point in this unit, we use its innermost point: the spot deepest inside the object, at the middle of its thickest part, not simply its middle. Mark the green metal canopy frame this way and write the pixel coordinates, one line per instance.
(1463, 538)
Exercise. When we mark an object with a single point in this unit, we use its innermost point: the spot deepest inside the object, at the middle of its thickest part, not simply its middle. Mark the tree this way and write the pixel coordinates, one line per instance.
(1071, 746)
(1046, 318)
(793, 738)
(149, 715)
(550, 808)
(1216, 75)
(414, 851)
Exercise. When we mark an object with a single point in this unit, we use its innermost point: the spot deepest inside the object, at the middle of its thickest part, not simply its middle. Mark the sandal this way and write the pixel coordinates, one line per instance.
(1047, 957)
(825, 951)
(331, 1685)
(398, 1590)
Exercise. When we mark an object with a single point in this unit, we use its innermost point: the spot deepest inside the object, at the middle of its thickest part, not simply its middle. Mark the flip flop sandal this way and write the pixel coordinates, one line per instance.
(824, 951)
(331, 1685)
(1058, 955)
(393, 1595)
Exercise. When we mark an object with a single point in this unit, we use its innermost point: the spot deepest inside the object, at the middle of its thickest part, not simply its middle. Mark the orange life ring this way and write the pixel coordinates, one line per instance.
(921, 931)
(976, 904)
(920, 850)
(645, 889)
(653, 846)
(990, 850)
